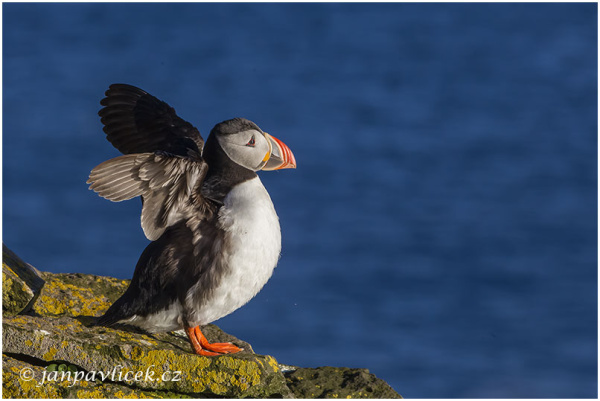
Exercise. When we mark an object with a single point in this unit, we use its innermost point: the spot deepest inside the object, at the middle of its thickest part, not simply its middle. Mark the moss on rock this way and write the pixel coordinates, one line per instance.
(21, 379)
(142, 361)
(15, 293)
(125, 363)
(78, 294)
(330, 382)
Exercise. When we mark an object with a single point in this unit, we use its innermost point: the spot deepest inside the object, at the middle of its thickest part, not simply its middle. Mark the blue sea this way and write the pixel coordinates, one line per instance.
(441, 227)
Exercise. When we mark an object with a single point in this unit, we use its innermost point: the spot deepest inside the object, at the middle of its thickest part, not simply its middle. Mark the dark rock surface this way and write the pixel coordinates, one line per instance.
(330, 382)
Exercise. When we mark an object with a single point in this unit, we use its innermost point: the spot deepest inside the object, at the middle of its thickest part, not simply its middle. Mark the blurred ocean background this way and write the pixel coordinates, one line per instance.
(441, 227)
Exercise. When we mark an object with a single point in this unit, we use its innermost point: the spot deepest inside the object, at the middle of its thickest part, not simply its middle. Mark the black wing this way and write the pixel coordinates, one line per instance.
(162, 161)
(137, 122)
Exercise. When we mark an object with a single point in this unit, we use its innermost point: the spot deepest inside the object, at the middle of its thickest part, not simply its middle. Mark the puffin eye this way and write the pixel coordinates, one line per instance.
(251, 142)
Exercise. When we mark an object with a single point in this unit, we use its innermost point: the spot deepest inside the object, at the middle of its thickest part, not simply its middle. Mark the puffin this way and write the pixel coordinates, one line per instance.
(215, 234)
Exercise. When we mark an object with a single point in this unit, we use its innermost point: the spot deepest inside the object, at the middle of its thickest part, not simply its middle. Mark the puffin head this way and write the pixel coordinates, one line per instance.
(248, 146)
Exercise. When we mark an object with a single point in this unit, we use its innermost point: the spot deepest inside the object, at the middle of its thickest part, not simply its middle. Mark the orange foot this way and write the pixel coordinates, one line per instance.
(201, 346)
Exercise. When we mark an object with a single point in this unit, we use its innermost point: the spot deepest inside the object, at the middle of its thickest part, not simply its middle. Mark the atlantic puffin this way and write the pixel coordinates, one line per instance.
(215, 234)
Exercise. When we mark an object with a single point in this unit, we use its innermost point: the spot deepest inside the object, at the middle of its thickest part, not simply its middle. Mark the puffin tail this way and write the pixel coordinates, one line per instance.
(112, 316)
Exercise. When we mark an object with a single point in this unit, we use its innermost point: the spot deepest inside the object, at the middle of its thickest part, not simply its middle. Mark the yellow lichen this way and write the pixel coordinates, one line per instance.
(121, 394)
(273, 363)
(52, 305)
(20, 319)
(95, 393)
(48, 356)
(32, 390)
(80, 301)
(215, 381)
(137, 353)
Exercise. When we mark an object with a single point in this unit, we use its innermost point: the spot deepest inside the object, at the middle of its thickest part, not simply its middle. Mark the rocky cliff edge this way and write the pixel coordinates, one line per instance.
(50, 350)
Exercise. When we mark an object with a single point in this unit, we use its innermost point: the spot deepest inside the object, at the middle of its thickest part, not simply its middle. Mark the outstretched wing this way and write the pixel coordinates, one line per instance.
(137, 122)
(162, 162)
(168, 184)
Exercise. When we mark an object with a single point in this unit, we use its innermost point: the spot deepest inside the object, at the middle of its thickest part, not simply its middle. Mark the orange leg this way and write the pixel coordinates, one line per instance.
(201, 346)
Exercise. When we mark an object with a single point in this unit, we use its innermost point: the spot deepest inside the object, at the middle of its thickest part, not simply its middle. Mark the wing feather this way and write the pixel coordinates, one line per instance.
(162, 161)
(137, 122)
(169, 185)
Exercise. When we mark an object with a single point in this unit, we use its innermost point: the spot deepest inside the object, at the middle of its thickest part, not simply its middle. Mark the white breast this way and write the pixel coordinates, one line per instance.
(251, 249)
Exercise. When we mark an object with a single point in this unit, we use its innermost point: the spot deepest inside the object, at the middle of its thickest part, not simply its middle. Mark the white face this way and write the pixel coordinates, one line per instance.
(249, 149)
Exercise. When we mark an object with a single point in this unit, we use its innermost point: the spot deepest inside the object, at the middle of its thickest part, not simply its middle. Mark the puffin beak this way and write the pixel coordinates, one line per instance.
(281, 156)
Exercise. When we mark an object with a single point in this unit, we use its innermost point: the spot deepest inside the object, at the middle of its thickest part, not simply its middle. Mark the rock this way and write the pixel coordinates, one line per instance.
(15, 385)
(21, 283)
(329, 382)
(162, 362)
(52, 350)
(77, 294)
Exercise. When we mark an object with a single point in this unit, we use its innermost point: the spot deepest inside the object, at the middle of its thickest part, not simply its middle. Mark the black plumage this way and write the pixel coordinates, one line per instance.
(163, 165)
(162, 275)
(137, 122)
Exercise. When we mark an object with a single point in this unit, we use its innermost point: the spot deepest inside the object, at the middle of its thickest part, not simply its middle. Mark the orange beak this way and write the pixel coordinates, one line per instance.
(281, 156)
